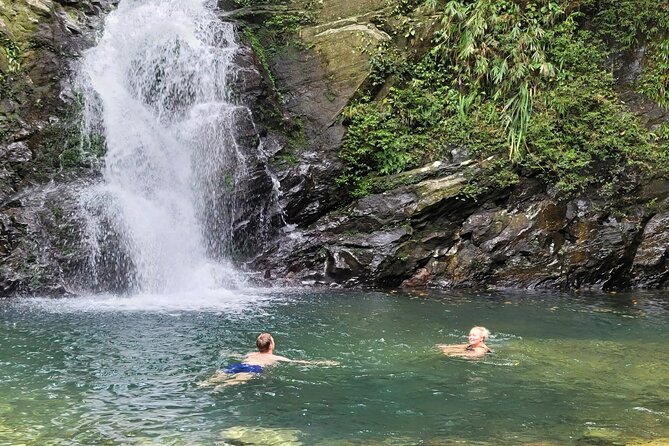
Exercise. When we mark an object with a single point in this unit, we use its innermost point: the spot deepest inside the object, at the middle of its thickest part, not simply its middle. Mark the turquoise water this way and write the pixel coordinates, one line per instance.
(566, 368)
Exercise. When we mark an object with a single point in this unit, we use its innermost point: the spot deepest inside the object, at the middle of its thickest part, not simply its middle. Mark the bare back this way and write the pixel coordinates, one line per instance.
(263, 359)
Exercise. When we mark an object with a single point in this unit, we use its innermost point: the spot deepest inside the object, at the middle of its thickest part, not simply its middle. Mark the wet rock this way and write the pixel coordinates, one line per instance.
(425, 234)
(317, 79)
(485, 225)
(39, 241)
(342, 264)
(420, 278)
(42, 244)
(601, 436)
(370, 241)
(421, 232)
(308, 190)
(248, 436)
(650, 264)
(16, 152)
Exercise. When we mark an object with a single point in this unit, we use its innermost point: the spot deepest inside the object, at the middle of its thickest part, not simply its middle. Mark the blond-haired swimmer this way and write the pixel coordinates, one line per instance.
(476, 347)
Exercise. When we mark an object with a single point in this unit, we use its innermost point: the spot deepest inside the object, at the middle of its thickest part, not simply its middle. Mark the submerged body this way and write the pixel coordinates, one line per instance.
(242, 367)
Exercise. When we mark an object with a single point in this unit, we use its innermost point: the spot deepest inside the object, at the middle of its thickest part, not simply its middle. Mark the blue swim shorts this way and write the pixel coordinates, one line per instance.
(240, 367)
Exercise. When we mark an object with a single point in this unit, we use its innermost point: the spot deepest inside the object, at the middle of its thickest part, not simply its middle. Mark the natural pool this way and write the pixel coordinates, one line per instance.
(567, 369)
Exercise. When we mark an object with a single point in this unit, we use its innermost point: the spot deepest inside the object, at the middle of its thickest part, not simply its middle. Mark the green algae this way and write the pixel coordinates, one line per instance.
(259, 436)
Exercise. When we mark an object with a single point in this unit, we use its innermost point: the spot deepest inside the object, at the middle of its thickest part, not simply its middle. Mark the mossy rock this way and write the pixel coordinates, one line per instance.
(431, 192)
(260, 436)
(603, 436)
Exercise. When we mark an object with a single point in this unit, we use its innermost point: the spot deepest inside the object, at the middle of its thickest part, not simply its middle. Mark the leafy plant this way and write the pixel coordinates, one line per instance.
(655, 80)
(12, 54)
(387, 138)
(627, 25)
(531, 79)
(498, 48)
(259, 51)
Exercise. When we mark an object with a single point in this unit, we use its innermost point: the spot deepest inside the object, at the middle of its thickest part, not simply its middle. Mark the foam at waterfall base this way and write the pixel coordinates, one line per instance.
(212, 300)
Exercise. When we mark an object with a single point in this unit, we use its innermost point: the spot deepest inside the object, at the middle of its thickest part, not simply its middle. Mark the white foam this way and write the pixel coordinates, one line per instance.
(212, 300)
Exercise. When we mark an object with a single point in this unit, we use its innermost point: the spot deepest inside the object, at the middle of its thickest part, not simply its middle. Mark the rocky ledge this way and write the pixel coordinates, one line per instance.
(426, 234)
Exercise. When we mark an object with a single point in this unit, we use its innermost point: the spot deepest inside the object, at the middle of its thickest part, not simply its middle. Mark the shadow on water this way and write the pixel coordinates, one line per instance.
(567, 369)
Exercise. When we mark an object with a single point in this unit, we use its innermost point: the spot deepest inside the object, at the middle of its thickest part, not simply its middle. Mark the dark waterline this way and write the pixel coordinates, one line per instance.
(565, 367)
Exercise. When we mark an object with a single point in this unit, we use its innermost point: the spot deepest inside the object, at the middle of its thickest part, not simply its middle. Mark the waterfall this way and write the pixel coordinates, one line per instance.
(156, 86)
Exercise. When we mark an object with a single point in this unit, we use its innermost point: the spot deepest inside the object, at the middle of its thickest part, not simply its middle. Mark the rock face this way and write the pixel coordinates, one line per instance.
(38, 230)
(317, 79)
(422, 232)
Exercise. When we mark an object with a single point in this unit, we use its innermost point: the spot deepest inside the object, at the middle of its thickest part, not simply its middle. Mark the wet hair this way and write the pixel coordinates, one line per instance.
(484, 332)
(264, 342)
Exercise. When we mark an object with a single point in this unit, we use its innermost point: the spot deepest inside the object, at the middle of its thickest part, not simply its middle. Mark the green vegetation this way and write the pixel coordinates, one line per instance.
(279, 31)
(277, 24)
(497, 49)
(67, 146)
(272, 31)
(638, 24)
(528, 83)
(11, 55)
(259, 51)
(10, 63)
(655, 80)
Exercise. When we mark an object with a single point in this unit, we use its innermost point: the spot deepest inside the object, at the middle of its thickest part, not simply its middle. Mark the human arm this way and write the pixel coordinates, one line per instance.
(467, 354)
(451, 349)
(467, 351)
(300, 361)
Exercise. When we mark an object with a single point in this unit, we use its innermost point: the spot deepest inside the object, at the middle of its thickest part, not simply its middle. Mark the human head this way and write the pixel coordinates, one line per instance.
(265, 342)
(479, 332)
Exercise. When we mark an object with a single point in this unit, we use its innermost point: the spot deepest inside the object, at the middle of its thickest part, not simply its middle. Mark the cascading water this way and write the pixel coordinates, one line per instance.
(161, 220)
